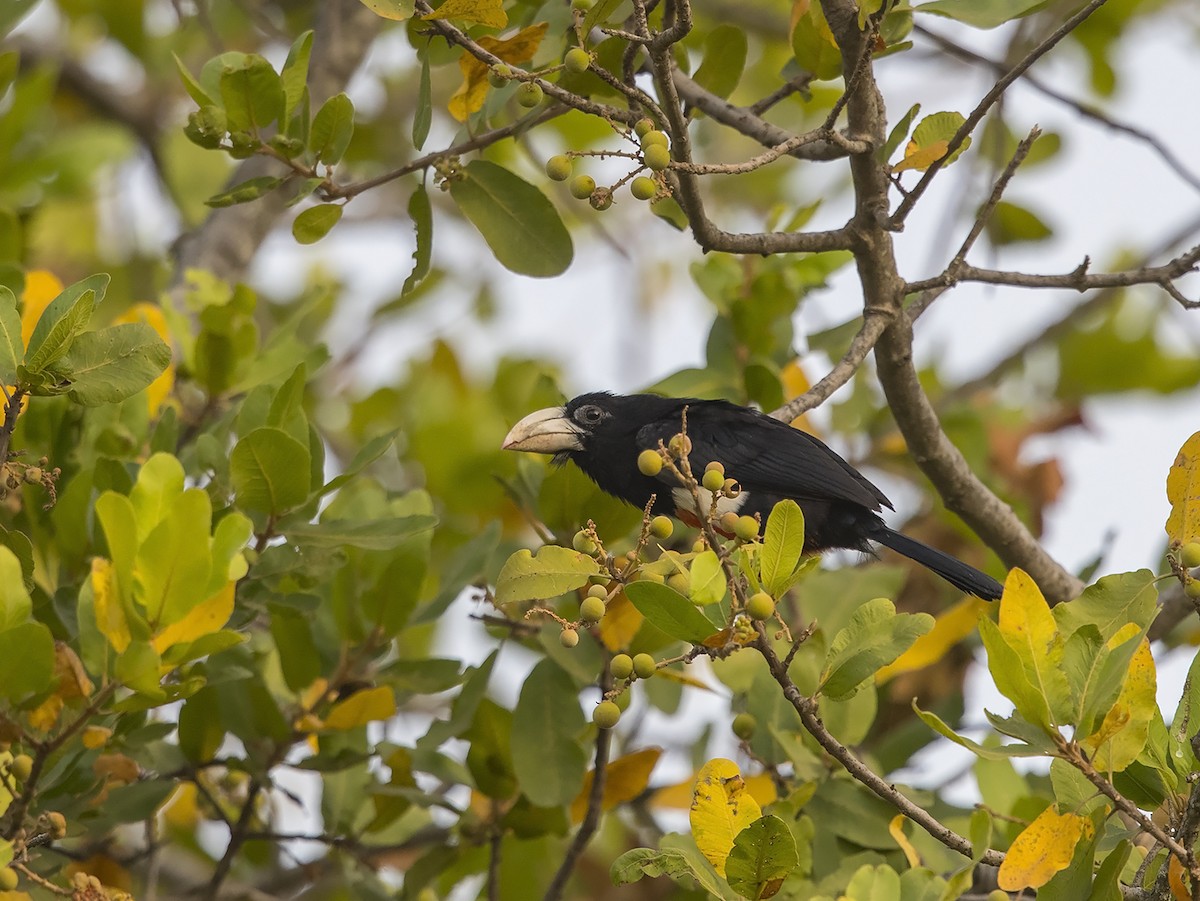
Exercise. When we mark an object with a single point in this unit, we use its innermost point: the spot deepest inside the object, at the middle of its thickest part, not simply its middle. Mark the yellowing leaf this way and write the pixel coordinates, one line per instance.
(45, 715)
(362, 707)
(1029, 628)
(1042, 849)
(721, 808)
(110, 613)
(949, 628)
(921, 158)
(203, 619)
(151, 314)
(1177, 879)
(1119, 739)
(621, 622)
(625, 779)
(1183, 491)
(483, 12)
(681, 678)
(71, 679)
(679, 796)
(396, 10)
(517, 49)
(94, 737)
(795, 383)
(41, 287)
(896, 830)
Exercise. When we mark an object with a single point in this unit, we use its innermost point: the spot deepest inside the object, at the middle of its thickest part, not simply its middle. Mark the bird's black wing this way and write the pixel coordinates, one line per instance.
(764, 454)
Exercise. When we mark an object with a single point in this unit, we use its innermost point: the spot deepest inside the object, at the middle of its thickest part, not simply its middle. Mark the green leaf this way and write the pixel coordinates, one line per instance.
(553, 571)
(423, 117)
(1011, 224)
(137, 802)
(724, 59)
(675, 863)
(172, 566)
(15, 603)
(252, 94)
(26, 660)
(941, 127)
(1111, 603)
(1095, 673)
(294, 75)
(421, 213)
(670, 611)
(65, 317)
(160, 481)
(519, 224)
(12, 348)
(372, 535)
(763, 855)
(873, 883)
(814, 47)
(113, 364)
(783, 543)
(548, 758)
(898, 133)
(982, 13)
(314, 223)
(707, 582)
(1008, 672)
(332, 129)
(367, 454)
(270, 471)
(1003, 752)
(599, 14)
(138, 668)
(244, 192)
(875, 636)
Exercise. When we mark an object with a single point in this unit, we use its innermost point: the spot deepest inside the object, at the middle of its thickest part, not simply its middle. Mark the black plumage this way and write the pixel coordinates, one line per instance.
(604, 433)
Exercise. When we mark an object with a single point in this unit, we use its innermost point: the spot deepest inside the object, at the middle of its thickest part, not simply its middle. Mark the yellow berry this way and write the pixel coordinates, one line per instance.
(621, 666)
(744, 725)
(728, 522)
(21, 767)
(583, 543)
(577, 60)
(661, 526)
(713, 480)
(649, 463)
(568, 638)
(1189, 554)
(643, 126)
(598, 591)
(679, 445)
(656, 157)
(582, 186)
(760, 606)
(644, 666)
(499, 75)
(606, 715)
(529, 95)
(8, 879)
(558, 167)
(591, 610)
(746, 528)
(1192, 588)
(654, 138)
(643, 188)
(681, 582)
(57, 823)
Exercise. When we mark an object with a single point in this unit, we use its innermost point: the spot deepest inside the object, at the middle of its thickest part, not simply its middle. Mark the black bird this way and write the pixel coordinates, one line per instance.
(604, 433)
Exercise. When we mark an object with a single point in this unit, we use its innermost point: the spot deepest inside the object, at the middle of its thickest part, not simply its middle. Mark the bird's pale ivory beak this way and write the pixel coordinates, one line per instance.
(544, 432)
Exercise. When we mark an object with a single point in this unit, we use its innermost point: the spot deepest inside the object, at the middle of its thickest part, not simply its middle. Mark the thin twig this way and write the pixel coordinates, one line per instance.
(591, 819)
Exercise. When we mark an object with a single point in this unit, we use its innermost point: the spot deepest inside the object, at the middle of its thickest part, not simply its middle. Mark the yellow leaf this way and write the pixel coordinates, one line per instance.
(950, 627)
(110, 613)
(41, 287)
(45, 715)
(181, 810)
(625, 779)
(679, 796)
(311, 696)
(1118, 740)
(518, 49)
(896, 829)
(1177, 879)
(95, 737)
(1183, 491)
(795, 383)
(681, 678)
(151, 314)
(118, 767)
(362, 707)
(72, 681)
(1042, 849)
(203, 619)
(1029, 628)
(762, 789)
(921, 158)
(484, 12)
(621, 622)
(396, 10)
(721, 808)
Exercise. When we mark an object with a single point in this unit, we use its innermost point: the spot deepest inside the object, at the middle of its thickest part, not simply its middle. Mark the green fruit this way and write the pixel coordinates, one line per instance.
(530, 95)
(577, 60)
(647, 575)
(760, 606)
(499, 75)
(746, 528)
(559, 167)
(649, 462)
(728, 522)
(679, 445)
(644, 666)
(8, 879)
(654, 138)
(21, 767)
(1192, 588)
(598, 591)
(681, 582)
(1189, 554)
(591, 610)
(656, 157)
(643, 188)
(582, 186)
(661, 526)
(744, 725)
(57, 823)
(568, 638)
(621, 666)
(601, 199)
(606, 715)
(583, 543)
(643, 126)
(713, 480)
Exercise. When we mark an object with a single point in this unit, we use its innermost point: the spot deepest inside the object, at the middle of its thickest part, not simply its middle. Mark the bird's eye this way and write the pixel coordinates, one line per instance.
(589, 415)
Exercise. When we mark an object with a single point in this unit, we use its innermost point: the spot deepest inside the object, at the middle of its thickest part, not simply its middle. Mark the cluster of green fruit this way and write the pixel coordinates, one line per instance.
(1189, 558)
(655, 156)
(530, 93)
(624, 669)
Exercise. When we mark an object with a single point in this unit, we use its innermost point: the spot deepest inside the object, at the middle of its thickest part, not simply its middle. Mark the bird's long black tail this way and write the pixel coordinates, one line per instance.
(960, 575)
